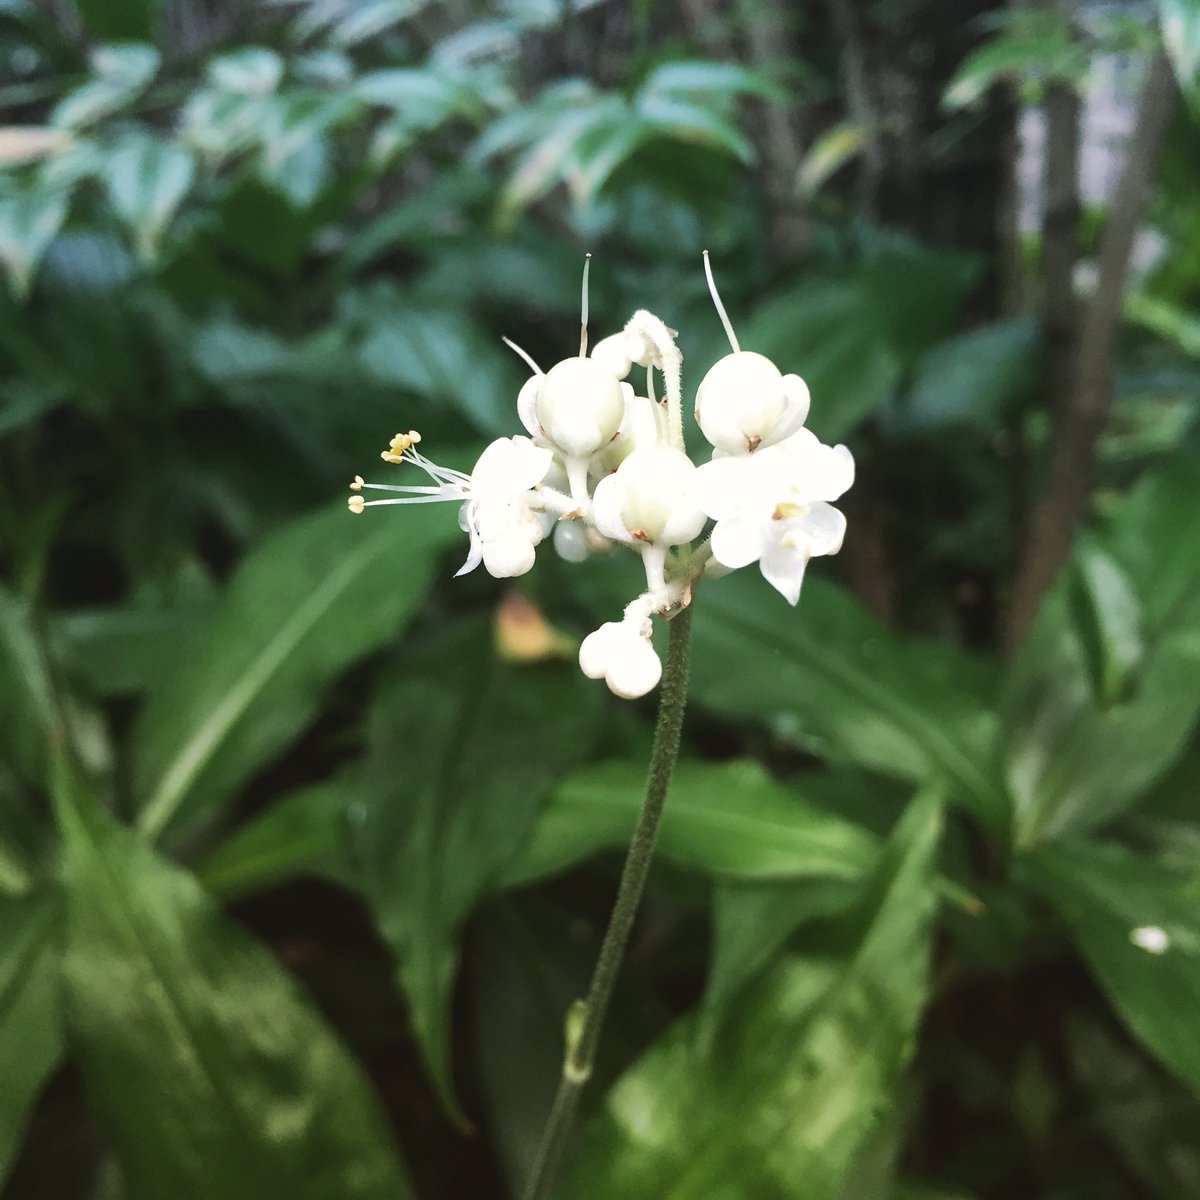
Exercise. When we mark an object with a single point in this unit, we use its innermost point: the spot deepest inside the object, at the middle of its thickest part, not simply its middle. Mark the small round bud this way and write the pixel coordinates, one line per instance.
(507, 556)
(620, 654)
(570, 540)
(580, 406)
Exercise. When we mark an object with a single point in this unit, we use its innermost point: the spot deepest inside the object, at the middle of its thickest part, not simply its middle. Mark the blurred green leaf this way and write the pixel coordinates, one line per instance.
(752, 923)
(1180, 21)
(828, 677)
(441, 354)
(212, 1074)
(31, 1037)
(1171, 322)
(797, 1078)
(120, 73)
(147, 180)
(975, 377)
(313, 599)
(30, 217)
(464, 751)
(828, 154)
(701, 79)
(302, 832)
(1135, 922)
(1101, 699)
(27, 714)
(1038, 47)
(249, 71)
(722, 818)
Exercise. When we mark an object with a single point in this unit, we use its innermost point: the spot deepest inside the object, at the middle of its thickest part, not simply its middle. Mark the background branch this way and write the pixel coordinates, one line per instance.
(1083, 416)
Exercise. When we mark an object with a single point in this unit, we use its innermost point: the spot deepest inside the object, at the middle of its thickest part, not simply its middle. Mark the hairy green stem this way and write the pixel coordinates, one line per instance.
(586, 1018)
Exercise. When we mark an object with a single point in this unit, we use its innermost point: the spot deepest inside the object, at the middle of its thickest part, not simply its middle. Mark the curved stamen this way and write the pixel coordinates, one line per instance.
(716, 299)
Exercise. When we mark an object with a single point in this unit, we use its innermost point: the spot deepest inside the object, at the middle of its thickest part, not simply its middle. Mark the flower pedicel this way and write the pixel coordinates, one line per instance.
(601, 465)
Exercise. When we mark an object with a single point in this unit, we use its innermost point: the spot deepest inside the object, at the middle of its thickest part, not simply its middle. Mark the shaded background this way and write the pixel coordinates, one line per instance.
(305, 847)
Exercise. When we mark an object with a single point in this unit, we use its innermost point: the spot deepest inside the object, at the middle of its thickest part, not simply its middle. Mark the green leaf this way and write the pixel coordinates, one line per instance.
(975, 377)
(1101, 699)
(304, 832)
(1171, 322)
(703, 79)
(147, 180)
(212, 1074)
(464, 751)
(27, 713)
(828, 677)
(312, 600)
(727, 819)
(31, 1040)
(1038, 54)
(121, 72)
(1180, 22)
(30, 218)
(442, 355)
(828, 154)
(1136, 924)
(688, 122)
(249, 71)
(796, 1081)
(752, 922)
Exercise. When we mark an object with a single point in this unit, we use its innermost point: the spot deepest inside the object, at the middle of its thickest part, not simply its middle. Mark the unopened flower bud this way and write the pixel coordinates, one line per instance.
(620, 654)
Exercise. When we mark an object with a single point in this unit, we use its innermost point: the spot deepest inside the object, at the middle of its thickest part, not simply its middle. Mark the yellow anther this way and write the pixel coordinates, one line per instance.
(785, 510)
(357, 485)
(388, 456)
(355, 503)
(404, 441)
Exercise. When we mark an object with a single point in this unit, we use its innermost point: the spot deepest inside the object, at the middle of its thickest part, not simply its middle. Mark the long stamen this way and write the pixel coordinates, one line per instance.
(583, 308)
(527, 357)
(716, 299)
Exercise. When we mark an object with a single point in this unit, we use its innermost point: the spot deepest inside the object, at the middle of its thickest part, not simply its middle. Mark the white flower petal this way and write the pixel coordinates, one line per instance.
(783, 568)
(594, 651)
(606, 509)
(721, 486)
(527, 404)
(738, 541)
(508, 556)
(509, 466)
(819, 531)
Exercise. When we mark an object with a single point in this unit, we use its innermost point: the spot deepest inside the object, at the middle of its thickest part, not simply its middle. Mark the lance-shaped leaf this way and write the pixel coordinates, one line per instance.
(30, 1016)
(794, 1084)
(211, 1072)
(1135, 921)
(464, 750)
(828, 677)
(1102, 698)
(302, 608)
(722, 818)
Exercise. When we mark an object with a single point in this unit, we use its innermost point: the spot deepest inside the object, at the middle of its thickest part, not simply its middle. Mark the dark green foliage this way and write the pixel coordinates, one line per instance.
(301, 861)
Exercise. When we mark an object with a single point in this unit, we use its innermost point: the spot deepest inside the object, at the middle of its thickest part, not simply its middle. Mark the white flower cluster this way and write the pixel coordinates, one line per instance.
(603, 466)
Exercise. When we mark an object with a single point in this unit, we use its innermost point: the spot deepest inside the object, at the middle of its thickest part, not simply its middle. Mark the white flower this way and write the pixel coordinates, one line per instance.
(578, 406)
(649, 499)
(745, 404)
(620, 653)
(498, 511)
(773, 508)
